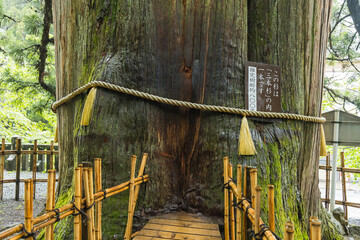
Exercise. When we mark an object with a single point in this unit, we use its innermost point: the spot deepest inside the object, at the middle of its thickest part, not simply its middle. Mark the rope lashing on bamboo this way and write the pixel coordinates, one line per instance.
(186, 104)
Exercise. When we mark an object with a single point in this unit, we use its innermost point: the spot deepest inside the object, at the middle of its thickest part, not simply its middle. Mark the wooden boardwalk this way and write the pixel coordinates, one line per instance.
(181, 226)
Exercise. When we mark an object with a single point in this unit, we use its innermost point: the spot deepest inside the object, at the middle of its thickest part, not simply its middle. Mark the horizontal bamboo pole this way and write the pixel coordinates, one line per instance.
(23, 180)
(68, 208)
(251, 212)
(44, 152)
(339, 169)
(350, 204)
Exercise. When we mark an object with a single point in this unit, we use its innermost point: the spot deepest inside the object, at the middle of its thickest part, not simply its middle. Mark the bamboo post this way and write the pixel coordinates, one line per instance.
(257, 209)
(18, 163)
(28, 207)
(87, 190)
(50, 199)
(343, 184)
(34, 167)
(289, 231)
(226, 199)
(83, 228)
(315, 227)
(137, 188)
(128, 230)
(91, 188)
(2, 166)
(327, 182)
(238, 214)
(253, 184)
(98, 205)
(271, 208)
(312, 218)
(52, 155)
(247, 194)
(78, 196)
(232, 216)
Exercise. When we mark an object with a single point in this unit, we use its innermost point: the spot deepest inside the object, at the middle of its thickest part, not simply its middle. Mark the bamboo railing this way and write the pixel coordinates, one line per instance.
(84, 182)
(343, 170)
(248, 204)
(25, 154)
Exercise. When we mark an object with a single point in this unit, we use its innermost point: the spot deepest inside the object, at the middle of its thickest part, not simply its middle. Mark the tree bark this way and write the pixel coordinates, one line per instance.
(195, 51)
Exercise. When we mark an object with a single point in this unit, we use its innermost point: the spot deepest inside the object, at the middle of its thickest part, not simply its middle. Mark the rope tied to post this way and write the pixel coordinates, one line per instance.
(57, 211)
(28, 234)
(173, 102)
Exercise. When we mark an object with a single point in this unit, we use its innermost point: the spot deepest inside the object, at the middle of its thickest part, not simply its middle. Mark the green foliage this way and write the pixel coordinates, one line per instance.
(24, 104)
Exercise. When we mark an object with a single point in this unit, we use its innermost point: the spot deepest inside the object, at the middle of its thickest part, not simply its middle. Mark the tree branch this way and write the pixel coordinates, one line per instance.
(43, 50)
(333, 93)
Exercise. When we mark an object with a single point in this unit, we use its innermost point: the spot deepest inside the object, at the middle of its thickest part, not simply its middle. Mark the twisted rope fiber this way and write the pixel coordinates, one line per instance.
(178, 103)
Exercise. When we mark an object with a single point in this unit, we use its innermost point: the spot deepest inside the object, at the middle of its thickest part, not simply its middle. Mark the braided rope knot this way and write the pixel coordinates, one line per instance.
(186, 104)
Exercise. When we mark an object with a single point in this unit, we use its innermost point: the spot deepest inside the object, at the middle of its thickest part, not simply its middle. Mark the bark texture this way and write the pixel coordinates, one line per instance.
(195, 51)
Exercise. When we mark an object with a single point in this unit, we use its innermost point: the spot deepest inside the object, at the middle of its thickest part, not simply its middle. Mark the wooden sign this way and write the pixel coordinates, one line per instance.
(262, 87)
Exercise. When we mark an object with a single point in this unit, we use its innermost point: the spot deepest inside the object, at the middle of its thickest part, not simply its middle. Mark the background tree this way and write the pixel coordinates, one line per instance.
(194, 51)
(27, 80)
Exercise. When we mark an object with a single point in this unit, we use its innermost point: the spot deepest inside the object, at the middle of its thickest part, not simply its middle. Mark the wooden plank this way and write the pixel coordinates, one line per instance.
(188, 224)
(172, 235)
(176, 229)
(142, 237)
(182, 217)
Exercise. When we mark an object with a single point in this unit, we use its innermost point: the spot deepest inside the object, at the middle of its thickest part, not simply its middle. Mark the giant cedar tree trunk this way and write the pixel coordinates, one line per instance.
(195, 51)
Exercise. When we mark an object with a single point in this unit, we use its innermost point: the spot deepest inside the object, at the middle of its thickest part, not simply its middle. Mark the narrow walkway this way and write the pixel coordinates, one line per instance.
(181, 226)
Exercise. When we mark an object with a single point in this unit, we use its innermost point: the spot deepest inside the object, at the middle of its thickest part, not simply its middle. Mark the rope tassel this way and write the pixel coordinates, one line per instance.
(56, 135)
(322, 142)
(88, 107)
(246, 144)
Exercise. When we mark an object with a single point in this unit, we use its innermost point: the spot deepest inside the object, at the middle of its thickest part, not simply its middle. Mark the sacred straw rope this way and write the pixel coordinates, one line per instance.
(178, 103)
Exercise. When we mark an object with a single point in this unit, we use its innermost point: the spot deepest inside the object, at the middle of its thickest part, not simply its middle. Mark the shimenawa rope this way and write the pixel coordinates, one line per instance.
(186, 104)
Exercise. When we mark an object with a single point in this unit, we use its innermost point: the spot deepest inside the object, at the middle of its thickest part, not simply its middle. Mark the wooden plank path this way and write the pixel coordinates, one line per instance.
(181, 226)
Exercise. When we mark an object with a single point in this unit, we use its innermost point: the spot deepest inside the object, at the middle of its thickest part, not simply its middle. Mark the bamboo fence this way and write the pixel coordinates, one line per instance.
(248, 208)
(84, 182)
(343, 171)
(26, 156)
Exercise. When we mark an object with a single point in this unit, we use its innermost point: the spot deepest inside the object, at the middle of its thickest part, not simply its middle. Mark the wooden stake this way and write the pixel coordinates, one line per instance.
(232, 216)
(83, 228)
(77, 218)
(343, 181)
(289, 231)
(327, 181)
(2, 166)
(226, 199)
(238, 212)
(315, 227)
(128, 230)
(88, 204)
(51, 155)
(50, 201)
(98, 205)
(28, 207)
(137, 188)
(257, 208)
(18, 162)
(34, 166)
(271, 208)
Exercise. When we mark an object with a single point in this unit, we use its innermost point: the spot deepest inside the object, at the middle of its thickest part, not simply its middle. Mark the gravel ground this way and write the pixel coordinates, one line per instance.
(11, 211)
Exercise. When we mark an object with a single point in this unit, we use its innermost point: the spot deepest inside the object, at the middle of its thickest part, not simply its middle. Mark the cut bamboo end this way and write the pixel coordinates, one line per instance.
(246, 144)
(289, 231)
(50, 202)
(316, 229)
(56, 135)
(98, 206)
(28, 207)
(88, 108)
(311, 219)
(253, 184)
(271, 208)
